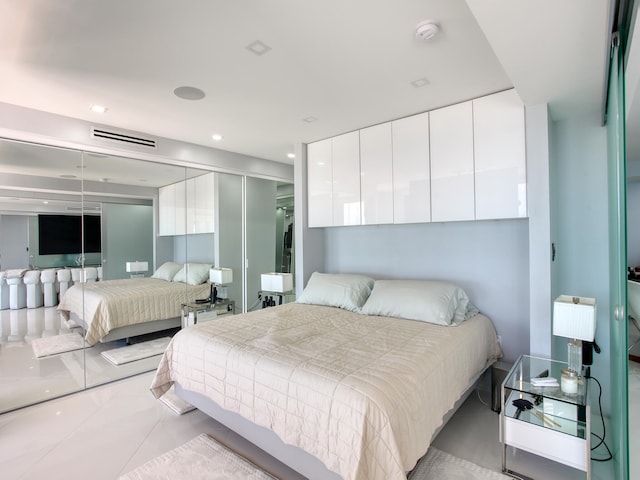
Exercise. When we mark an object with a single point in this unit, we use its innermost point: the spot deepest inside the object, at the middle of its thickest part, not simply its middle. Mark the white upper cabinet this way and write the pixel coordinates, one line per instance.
(499, 152)
(187, 206)
(167, 210)
(319, 184)
(376, 175)
(411, 179)
(452, 171)
(346, 179)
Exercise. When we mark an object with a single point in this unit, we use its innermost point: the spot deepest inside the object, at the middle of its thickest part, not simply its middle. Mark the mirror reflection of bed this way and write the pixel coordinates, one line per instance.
(123, 194)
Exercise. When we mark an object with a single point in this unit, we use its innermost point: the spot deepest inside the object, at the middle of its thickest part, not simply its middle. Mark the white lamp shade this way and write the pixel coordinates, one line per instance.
(221, 276)
(134, 267)
(574, 317)
(276, 282)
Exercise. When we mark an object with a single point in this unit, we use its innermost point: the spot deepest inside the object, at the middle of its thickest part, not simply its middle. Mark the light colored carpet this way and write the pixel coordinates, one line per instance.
(200, 458)
(439, 465)
(137, 351)
(43, 347)
(175, 403)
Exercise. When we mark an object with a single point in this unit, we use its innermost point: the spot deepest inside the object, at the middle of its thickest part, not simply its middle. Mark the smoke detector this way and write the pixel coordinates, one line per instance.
(427, 30)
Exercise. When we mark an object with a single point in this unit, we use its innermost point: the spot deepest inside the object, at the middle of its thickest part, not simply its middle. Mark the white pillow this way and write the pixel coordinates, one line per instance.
(432, 301)
(343, 290)
(193, 273)
(167, 271)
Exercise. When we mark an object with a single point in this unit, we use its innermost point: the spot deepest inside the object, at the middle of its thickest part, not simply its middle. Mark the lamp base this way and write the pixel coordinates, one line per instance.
(574, 356)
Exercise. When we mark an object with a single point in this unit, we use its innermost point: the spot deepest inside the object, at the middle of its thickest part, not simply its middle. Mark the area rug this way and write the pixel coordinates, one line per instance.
(175, 403)
(200, 458)
(46, 346)
(437, 465)
(137, 351)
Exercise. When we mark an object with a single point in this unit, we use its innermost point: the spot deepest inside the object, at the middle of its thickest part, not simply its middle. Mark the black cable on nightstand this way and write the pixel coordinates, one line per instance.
(604, 433)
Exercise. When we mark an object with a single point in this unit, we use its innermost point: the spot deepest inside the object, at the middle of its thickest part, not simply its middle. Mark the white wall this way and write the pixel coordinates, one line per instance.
(14, 240)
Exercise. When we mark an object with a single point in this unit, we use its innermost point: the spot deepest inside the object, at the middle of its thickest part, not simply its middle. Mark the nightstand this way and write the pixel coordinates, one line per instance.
(193, 313)
(558, 427)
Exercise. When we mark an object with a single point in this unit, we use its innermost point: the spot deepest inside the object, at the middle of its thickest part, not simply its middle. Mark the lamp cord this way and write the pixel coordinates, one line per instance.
(604, 433)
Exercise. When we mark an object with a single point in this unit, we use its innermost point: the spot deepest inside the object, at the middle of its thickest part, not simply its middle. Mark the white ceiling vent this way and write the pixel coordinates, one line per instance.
(122, 137)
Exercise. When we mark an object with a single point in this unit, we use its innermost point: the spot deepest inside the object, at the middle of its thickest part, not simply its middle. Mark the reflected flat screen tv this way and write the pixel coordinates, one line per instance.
(62, 234)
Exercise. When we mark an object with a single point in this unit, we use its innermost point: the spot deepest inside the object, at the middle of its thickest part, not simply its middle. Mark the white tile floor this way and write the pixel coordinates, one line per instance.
(109, 430)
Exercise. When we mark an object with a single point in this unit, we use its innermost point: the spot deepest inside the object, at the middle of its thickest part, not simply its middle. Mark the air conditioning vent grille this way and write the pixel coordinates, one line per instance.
(122, 137)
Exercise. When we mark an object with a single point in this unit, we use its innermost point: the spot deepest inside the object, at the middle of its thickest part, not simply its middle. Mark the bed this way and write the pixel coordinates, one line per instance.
(336, 388)
(115, 309)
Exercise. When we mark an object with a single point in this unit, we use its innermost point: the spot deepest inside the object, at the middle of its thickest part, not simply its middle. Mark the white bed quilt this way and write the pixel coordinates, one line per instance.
(364, 394)
(110, 304)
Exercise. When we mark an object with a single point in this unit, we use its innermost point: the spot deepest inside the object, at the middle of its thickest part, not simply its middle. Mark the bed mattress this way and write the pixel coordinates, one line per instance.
(364, 394)
(107, 305)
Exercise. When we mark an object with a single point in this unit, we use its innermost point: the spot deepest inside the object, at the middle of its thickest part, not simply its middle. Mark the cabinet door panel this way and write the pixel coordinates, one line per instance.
(319, 184)
(190, 194)
(499, 151)
(376, 175)
(167, 210)
(346, 179)
(452, 173)
(411, 170)
(181, 208)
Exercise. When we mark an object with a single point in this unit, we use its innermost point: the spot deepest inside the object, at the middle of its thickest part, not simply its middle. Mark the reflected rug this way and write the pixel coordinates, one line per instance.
(437, 465)
(175, 403)
(44, 347)
(137, 351)
(200, 458)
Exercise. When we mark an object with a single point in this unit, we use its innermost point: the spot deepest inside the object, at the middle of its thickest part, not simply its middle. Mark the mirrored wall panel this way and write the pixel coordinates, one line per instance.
(104, 258)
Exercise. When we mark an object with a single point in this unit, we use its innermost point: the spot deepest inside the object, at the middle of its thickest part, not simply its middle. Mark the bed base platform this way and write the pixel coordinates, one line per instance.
(292, 456)
(134, 330)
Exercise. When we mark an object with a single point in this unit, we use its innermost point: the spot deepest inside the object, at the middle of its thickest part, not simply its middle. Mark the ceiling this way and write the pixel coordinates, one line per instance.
(333, 66)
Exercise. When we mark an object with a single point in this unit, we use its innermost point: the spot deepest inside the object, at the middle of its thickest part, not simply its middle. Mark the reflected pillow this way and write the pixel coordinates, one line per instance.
(193, 273)
(167, 271)
(432, 301)
(343, 290)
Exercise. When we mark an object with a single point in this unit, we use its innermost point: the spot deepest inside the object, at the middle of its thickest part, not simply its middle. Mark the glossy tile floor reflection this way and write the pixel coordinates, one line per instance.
(25, 379)
(109, 430)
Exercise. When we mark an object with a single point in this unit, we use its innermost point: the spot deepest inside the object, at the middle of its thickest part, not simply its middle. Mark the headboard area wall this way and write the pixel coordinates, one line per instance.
(489, 259)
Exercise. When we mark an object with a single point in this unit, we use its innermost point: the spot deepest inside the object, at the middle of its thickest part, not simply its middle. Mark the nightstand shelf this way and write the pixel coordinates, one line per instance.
(559, 425)
(193, 313)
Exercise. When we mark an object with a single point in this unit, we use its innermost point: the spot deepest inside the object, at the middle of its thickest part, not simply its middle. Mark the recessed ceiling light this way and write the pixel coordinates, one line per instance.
(68, 176)
(291, 155)
(143, 180)
(258, 47)
(45, 201)
(310, 119)
(421, 82)
(98, 108)
(189, 93)
(217, 137)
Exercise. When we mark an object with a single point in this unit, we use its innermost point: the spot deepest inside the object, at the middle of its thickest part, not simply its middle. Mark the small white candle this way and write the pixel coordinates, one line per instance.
(569, 382)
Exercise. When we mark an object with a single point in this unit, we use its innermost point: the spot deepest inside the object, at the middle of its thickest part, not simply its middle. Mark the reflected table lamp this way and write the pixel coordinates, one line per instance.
(575, 319)
(219, 277)
(137, 269)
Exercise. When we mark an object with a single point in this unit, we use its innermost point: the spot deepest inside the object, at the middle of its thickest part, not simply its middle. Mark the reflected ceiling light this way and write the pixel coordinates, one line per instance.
(68, 176)
(217, 137)
(310, 119)
(189, 93)
(45, 201)
(291, 155)
(98, 108)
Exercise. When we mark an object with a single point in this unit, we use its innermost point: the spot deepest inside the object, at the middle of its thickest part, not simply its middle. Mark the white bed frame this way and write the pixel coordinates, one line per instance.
(133, 330)
(292, 456)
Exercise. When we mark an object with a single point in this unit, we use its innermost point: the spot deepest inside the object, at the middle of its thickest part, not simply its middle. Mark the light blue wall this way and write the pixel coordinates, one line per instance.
(579, 221)
(489, 259)
(633, 223)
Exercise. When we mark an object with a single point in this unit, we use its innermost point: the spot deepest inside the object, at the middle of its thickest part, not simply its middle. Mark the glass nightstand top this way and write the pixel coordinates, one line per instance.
(528, 367)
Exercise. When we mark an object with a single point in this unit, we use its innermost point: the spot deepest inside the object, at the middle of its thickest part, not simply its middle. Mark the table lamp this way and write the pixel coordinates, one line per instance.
(575, 319)
(136, 269)
(219, 277)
